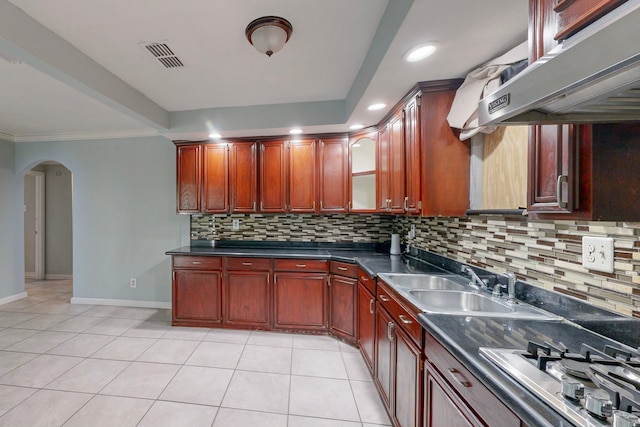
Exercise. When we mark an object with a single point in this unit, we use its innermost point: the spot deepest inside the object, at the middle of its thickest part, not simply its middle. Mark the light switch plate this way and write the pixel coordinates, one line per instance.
(597, 253)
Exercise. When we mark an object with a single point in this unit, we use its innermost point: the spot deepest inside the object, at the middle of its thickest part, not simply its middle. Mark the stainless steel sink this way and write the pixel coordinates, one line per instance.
(425, 281)
(451, 294)
(459, 302)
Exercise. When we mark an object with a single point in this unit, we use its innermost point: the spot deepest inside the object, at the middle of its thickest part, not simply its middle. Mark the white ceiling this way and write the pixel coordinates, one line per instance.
(75, 69)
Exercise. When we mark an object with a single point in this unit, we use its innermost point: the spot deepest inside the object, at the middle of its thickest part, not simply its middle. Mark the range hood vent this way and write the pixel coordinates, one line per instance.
(592, 77)
(163, 53)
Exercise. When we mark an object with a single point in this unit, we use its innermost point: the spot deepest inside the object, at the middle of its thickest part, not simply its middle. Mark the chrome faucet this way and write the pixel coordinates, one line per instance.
(511, 285)
(476, 282)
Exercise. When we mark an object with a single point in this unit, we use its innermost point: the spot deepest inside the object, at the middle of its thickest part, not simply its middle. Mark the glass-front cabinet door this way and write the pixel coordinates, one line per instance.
(362, 164)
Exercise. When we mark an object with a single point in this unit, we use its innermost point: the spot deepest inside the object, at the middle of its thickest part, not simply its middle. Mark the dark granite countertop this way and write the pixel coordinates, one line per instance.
(463, 336)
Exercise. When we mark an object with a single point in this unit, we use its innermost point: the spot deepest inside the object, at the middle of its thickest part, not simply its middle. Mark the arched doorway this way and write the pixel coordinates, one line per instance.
(48, 231)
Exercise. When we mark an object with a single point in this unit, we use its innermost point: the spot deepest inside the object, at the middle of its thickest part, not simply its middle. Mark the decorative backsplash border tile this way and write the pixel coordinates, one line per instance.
(297, 228)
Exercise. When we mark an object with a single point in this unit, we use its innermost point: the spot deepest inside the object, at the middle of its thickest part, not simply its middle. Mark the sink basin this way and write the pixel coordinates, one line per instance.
(424, 281)
(459, 302)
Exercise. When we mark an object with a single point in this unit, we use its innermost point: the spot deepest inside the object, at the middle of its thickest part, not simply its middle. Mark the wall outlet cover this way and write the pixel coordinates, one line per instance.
(235, 224)
(597, 253)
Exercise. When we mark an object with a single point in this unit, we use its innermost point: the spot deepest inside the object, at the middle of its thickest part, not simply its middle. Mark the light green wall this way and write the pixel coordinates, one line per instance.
(11, 225)
(123, 213)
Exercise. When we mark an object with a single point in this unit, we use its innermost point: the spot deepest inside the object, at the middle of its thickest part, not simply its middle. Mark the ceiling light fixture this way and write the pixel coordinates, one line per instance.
(376, 107)
(215, 136)
(357, 126)
(421, 52)
(295, 131)
(268, 34)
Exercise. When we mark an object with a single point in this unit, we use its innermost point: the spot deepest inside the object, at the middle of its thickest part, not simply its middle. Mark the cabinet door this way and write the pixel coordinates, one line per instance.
(334, 174)
(406, 408)
(300, 301)
(552, 168)
(189, 178)
(216, 178)
(342, 314)
(196, 297)
(244, 177)
(396, 164)
(413, 177)
(273, 177)
(247, 298)
(385, 349)
(302, 176)
(366, 324)
(362, 172)
(442, 408)
(383, 166)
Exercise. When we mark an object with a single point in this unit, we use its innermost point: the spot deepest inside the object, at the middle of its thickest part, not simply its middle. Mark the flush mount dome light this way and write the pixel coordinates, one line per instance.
(421, 52)
(268, 34)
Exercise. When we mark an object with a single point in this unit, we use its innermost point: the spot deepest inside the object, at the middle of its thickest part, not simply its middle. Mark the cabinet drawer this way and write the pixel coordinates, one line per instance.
(472, 391)
(233, 263)
(366, 281)
(197, 262)
(343, 269)
(301, 265)
(402, 317)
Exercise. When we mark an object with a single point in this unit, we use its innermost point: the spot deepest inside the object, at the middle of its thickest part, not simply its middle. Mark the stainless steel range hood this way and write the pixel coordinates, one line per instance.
(592, 77)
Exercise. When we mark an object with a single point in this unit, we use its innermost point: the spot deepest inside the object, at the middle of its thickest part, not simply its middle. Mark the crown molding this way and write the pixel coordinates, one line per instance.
(135, 133)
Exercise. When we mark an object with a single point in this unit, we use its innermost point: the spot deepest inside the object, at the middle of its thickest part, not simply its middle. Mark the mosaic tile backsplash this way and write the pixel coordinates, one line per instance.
(543, 253)
(296, 228)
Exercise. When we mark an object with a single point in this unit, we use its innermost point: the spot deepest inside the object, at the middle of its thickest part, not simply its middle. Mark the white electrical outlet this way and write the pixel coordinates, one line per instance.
(133, 282)
(235, 224)
(597, 253)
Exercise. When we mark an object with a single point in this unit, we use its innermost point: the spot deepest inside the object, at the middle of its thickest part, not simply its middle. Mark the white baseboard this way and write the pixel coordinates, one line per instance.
(12, 298)
(58, 276)
(121, 302)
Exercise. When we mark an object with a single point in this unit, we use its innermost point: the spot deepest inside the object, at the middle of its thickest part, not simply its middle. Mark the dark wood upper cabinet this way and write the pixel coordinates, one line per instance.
(189, 181)
(333, 159)
(391, 159)
(413, 169)
(274, 168)
(574, 15)
(244, 177)
(215, 178)
(362, 174)
(302, 176)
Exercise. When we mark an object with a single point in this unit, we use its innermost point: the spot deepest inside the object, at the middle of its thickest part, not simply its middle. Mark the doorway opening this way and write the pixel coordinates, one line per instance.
(48, 236)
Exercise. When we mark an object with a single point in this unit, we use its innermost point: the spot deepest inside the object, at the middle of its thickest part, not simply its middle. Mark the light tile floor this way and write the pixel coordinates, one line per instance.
(88, 365)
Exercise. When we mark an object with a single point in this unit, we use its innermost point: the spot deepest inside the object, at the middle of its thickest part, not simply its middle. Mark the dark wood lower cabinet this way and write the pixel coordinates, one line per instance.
(366, 324)
(342, 314)
(384, 355)
(442, 408)
(300, 301)
(196, 298)
(247, 299)
(407, 381)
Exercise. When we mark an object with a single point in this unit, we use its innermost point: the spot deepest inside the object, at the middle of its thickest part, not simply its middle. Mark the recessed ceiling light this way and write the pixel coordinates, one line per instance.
(295, 131)
(215, 136)
(375, 107)
(357, 126)
(421, 52)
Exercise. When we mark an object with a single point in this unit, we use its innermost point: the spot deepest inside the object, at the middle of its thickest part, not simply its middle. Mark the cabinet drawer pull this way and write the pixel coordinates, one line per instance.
(371, 305)
(342, 268)
(405, 204)
(248, 264)
(383, 298)
(301, 265)
(459, 378)
(561, 179)
(404, 319)
(364, 279)
(390, 327)
(196, 262)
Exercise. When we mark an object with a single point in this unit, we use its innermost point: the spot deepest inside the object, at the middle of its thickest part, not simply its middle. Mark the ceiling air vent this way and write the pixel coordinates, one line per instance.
(163, 53)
